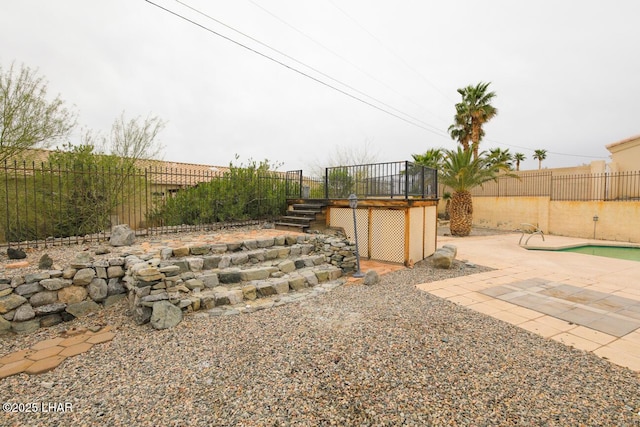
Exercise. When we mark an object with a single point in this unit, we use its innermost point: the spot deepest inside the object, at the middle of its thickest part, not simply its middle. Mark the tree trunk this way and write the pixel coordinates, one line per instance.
(461, 211)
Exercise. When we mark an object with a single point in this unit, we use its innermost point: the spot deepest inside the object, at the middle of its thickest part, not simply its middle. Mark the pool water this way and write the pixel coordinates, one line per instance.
(618, 252)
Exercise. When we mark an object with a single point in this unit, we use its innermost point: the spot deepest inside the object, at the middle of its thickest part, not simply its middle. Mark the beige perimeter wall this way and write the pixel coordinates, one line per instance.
(618, 221)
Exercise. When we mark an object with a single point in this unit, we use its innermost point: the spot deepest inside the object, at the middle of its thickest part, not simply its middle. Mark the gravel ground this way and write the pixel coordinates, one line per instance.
(383, 355)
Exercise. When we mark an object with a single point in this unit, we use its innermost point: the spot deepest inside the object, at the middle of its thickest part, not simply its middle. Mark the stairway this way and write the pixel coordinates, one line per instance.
(302, 217)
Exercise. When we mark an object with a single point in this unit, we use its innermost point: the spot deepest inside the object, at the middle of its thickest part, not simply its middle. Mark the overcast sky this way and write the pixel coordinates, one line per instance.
(566, 74)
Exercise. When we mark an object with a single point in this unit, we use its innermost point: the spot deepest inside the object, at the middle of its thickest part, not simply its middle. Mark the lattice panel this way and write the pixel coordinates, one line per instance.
(387, 235)
(343, 217)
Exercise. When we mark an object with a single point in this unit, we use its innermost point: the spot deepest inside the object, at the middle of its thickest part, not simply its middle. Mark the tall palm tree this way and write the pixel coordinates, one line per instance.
(472, 113)
(518, 157)
(540, 155)
(461, 172)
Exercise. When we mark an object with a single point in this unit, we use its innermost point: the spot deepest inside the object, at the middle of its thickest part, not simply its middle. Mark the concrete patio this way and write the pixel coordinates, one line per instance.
(589, 302)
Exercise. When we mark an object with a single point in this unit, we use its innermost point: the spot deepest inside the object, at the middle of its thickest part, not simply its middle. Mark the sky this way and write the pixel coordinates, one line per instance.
(301, 83)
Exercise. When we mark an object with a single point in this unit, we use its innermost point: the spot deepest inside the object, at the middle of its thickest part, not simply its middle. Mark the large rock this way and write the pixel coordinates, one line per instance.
(45, 262)
(443, 257)
(54, 284)
(141, 315)
(165, 315)
(24, 312)
(10, 302)
(16, 253)
(25, 327)
(98, 289)
(84, 276)
(43, 298)
(5, 326)
(371, 278)
(72, 294)
(122, 235)
(82, 308)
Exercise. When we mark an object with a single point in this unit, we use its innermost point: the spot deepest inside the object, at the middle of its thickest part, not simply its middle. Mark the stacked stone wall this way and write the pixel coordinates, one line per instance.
(189, 278)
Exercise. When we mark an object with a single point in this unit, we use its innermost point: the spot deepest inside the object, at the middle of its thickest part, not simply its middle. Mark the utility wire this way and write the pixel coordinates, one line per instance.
(388, 49)
(356, 66)
(414, 121)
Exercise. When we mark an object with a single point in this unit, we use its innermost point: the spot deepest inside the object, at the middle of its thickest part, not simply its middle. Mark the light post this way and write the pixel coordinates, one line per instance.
(595, 220)
(353, 204)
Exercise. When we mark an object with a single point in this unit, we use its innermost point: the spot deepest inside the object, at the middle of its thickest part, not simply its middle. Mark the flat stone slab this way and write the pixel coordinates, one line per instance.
(50, 353)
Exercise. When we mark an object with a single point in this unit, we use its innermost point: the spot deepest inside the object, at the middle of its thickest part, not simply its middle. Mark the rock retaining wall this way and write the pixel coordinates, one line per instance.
(188, 278)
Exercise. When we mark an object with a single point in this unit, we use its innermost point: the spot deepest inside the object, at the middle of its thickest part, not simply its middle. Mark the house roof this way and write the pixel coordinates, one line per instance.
(161, 172)
(617, 146)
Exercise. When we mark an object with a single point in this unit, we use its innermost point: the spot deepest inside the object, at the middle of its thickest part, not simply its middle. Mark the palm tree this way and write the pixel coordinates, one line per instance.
(501, 156)
(461, 131)
(472, 113)
(518, 157)
(432, 158)
(461, 173)
(540, 155)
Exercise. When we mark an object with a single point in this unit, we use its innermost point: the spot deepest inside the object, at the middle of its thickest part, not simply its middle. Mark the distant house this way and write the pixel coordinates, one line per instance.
(625, 155)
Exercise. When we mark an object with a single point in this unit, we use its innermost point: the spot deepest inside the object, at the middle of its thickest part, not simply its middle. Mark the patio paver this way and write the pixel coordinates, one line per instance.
(587, 303)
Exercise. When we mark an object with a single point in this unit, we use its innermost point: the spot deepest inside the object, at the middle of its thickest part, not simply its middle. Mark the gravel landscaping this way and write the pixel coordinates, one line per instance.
(381, 355)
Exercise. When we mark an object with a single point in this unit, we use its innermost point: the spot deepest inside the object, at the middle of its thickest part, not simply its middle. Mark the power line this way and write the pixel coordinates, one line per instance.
(356, 66)
(414, 121)
(406, 64)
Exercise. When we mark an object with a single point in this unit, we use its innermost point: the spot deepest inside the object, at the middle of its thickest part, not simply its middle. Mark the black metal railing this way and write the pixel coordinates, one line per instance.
(61, 204)
(394, 180)
(614, 186)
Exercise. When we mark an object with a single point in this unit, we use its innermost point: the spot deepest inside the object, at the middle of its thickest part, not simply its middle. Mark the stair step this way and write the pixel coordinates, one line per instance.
(309, 207)
(296, 219)
(288, 226)
(302, 213)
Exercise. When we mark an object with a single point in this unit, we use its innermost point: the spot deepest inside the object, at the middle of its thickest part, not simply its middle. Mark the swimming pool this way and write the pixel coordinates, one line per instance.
(619, 252)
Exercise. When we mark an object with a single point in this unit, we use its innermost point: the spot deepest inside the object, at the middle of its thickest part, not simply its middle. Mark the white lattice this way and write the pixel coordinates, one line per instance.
(343, 217)
(387, 235)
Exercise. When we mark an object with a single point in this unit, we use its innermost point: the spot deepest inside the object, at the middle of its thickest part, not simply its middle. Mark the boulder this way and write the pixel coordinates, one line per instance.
(84, 276)
(11, 301)
(24, 312)
(45, 262)
(371, 278)
(72, 294)
(16, 253)
(142, 315)
(25, 327)
(443, 257)
(122, 235)
(98, 289)
(82, 308)
(165, 315)
(5, 326)
(43, 298)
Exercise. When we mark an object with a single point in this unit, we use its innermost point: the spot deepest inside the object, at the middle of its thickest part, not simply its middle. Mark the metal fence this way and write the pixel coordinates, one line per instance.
(392, 180)
(49, 204)
(615, 186)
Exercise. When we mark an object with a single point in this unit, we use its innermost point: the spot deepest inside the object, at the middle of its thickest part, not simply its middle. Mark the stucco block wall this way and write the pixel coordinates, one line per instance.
(618, 221)
(507, 213)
